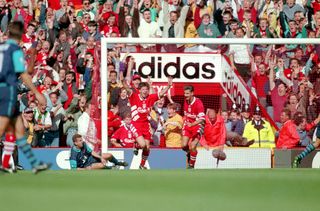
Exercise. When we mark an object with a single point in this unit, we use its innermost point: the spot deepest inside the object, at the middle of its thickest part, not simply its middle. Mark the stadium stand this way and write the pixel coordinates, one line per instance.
(66, 38)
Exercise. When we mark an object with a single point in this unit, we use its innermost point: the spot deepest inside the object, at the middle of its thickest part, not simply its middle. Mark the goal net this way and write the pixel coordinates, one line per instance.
(227, 73)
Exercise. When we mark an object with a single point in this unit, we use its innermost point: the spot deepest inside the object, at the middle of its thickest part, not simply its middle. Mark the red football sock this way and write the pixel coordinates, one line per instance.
(8, 149)
(145, 155)
(193, 157)
(162, 141)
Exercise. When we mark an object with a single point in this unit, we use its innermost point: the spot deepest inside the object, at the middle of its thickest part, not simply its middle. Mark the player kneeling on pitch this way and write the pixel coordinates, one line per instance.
(83, 158)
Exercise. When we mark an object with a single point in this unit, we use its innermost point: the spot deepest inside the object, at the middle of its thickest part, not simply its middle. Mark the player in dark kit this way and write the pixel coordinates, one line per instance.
(311, 147)
(193, 124)
(11, 68)
(84, 158)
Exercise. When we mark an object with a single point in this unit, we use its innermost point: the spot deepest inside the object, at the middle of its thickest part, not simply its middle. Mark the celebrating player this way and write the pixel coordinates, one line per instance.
(141, 104)
(126, 135)
(12, 67)
(193, 124)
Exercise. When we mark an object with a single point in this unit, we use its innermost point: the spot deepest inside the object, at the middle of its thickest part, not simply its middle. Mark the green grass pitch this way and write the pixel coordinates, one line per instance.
(267, 189)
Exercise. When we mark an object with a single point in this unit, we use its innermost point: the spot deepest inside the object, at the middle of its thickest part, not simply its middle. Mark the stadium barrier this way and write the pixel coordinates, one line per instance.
(284, 158)
(165, 158)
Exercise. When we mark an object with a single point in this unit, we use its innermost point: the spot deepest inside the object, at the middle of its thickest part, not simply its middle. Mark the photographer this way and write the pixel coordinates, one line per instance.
(43, 123)
(28, 123)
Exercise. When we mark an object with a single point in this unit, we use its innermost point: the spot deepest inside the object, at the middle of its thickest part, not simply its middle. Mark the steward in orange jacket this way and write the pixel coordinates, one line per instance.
(214, 130)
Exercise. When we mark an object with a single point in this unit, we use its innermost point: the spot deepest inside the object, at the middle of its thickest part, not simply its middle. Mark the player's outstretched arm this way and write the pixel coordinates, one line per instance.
(26, 79)
(165, 90)
(32, 59)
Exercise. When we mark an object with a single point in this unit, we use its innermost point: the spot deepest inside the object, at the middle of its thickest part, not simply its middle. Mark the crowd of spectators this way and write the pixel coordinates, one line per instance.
(63, 38)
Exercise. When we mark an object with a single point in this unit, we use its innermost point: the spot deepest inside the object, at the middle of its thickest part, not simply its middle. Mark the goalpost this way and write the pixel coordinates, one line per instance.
(228, 41)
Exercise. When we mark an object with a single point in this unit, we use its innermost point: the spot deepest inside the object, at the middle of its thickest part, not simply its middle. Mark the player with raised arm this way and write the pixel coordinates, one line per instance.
(193, 124)
(12, 67)
(141, 104)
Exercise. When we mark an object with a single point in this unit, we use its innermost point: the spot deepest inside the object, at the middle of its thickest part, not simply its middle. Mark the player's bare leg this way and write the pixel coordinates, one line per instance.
(145, 146)
(193, 152)
(26, 148)
(145, 154)
(4, 122)
(185, 147)
(95, 166)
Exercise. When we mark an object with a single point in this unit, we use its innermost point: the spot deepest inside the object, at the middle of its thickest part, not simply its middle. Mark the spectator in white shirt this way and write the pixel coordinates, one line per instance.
(57, 114)
(148, 29)
(87, 128)
(240, 56)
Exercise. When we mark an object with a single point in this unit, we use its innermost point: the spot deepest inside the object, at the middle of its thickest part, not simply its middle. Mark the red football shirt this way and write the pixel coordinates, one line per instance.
(194, 110)
(288, 73)
(126, 135)
(26, 39)
(260, 84)
(114, 122)
(140, 108)
(316, 7)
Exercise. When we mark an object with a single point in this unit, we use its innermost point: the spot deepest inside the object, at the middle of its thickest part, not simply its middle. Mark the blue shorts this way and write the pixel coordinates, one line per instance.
(8, 101)
(91, 160)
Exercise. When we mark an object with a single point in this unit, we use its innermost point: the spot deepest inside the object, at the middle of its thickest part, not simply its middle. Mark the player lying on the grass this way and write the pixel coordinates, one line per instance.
(83, 158)
(311, 147)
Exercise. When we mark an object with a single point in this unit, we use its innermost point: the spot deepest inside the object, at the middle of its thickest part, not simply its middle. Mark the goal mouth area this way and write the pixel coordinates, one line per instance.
(209, 41)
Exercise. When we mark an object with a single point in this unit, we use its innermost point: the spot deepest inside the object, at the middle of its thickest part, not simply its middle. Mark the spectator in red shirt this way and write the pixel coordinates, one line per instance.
(84, 22)
(43, 54)
(104, 12)
(70, 88)
(110, 27)
(316, 6)
(261, 80)
(114, 121)
(28, 37)
(20, 14)
(294, 66)
(247, 5)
